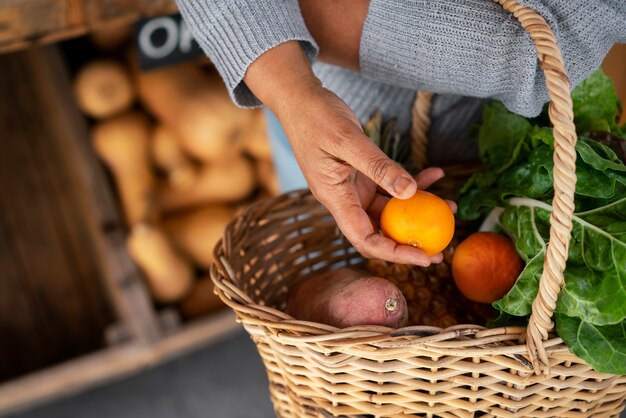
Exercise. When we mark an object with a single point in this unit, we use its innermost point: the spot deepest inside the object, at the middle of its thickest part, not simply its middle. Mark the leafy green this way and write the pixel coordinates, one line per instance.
(595, 275)
(518, 154)
(596, 105)
(499, 140)
(604, 347)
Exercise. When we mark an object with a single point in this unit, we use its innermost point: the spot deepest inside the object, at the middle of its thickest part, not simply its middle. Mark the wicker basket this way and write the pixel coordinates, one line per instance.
(317, 370)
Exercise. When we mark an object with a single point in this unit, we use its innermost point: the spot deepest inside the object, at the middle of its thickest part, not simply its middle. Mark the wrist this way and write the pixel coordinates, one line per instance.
(281, 76)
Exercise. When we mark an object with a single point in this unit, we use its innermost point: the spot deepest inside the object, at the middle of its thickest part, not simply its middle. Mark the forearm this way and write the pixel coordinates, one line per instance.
(336, 26)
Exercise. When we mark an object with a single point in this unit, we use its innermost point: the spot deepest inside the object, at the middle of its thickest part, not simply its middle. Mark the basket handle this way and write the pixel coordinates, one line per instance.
(562, 118)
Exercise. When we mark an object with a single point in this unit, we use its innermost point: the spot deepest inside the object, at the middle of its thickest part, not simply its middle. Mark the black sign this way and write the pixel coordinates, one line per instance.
(163, 41)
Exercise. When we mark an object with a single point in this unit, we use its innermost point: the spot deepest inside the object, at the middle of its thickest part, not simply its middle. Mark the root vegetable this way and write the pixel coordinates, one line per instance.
(103, 88)
(267, 176)
(123, 144)
(221, 182)
(346, 297)
(201, 300)
(197, 232)
(169, 276)
(255, 139)
(112, 35)
(197, 107)
(168, 156)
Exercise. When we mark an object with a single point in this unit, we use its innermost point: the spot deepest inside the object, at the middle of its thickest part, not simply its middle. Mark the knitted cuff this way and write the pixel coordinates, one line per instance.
(233, 34)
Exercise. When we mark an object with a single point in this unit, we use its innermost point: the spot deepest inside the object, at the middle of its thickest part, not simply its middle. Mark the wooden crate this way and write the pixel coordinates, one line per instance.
(26, 23)
(66, 276)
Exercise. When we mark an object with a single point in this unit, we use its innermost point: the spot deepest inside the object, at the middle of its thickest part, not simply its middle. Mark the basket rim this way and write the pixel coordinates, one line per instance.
(463, 339)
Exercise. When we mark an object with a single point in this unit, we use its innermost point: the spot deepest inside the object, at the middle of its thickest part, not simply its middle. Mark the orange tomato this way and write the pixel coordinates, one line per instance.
(485, 266)
(424, 221)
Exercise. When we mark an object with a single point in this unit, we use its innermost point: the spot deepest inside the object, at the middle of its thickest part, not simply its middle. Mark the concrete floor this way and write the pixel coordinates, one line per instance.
(225, 380)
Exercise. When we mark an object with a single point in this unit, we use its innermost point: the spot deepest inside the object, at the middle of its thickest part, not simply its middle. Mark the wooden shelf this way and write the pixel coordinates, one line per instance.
(68, 283)
(112, 363)
(27, 23)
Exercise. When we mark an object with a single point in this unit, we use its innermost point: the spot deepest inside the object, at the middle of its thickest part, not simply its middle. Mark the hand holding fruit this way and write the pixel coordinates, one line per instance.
(341, 165)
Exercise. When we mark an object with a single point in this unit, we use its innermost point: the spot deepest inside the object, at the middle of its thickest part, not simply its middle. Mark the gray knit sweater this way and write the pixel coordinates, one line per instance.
(456, 48)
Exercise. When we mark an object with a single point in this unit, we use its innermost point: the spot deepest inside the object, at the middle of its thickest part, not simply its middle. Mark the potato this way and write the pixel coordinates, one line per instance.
(347, 297)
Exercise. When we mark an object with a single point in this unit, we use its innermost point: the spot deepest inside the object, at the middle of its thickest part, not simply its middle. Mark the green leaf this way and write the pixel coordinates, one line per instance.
(595, 104)
(591, 308)
(506, 320)
(595, 275)
(518, 301)
(501, 136)
(603, 347)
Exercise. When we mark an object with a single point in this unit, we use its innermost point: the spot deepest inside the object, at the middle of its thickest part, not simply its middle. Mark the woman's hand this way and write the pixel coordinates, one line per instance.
(343, 168)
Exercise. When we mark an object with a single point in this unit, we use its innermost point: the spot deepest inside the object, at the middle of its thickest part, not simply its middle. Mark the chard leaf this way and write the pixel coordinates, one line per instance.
(501, 136)
(595, 275)
(599, 156)
(595, 104)
(518, 301)
(603, 347)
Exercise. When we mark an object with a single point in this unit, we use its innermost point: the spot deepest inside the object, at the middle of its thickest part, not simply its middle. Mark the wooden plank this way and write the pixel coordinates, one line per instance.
(99, 11)
(28, 23)
(81, 374)
(104, 225)
(68, 310)
(23, 19)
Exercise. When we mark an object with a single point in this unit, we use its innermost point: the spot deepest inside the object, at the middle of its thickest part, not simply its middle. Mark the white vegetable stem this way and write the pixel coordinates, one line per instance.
(525, 201)
(492, 220)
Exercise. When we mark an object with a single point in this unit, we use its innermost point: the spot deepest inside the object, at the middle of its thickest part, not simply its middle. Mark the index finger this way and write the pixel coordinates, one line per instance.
(354, 223)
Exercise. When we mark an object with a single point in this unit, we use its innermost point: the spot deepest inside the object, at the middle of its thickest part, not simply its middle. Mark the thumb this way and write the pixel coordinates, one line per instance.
(366, 157)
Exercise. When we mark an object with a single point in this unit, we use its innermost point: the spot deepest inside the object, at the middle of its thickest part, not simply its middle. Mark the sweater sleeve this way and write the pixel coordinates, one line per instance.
(234, 33)
(475, 48)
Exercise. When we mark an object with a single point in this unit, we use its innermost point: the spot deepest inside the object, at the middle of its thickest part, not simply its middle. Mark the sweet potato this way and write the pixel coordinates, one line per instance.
(346, 297)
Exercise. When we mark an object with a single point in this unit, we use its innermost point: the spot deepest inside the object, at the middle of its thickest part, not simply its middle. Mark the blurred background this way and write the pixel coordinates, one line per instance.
(122, 160)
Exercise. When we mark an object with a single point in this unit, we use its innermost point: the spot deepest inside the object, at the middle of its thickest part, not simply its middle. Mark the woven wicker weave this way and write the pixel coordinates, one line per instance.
(317, 370)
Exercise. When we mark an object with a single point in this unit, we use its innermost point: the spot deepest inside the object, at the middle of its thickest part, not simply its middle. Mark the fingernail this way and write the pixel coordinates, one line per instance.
(401, 184)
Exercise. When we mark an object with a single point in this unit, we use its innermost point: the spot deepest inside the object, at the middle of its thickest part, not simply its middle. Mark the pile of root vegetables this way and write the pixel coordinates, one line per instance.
(183, 159)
